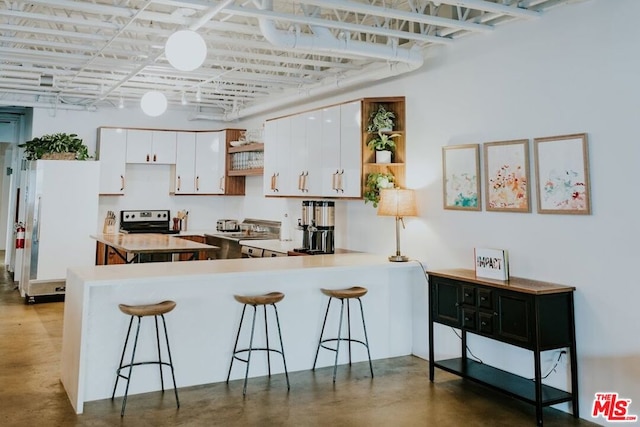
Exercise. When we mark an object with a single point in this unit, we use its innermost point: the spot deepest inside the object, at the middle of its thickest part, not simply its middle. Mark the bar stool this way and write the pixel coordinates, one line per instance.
(254, 301)
(140, 311)
(355, 292)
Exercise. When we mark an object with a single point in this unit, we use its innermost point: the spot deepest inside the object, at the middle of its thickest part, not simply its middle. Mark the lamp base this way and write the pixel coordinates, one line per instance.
(398, 258)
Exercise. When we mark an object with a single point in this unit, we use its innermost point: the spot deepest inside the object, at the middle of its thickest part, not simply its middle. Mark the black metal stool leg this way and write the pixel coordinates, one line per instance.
(366, 339)
(266, 334)
(235, 346)
(335, 365)
(349, 328)
(321, 333)
(246, 374)
(124, 349)
(173, 376)
(155, 318)
(133, 355)
(284, 360)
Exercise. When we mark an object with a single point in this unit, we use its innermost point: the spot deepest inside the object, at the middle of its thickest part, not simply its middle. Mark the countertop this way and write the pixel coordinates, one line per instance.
(151, 243)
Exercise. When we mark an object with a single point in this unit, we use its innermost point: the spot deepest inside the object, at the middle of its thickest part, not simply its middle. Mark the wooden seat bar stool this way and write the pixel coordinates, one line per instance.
(268, 299)
(355, 292)
(138, 312)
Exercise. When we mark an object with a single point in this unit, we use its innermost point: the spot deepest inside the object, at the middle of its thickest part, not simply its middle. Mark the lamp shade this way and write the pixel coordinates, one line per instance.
(185, 50)
(153, 103)
(397, 202)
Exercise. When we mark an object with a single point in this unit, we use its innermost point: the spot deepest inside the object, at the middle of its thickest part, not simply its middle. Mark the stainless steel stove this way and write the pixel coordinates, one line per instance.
(154, 221)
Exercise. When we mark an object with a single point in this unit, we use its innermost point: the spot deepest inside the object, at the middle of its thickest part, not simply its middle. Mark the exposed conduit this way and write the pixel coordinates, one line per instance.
(401, 61)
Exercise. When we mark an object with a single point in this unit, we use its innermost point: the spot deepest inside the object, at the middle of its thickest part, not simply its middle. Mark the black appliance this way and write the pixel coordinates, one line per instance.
(317, 225)
(157, 221)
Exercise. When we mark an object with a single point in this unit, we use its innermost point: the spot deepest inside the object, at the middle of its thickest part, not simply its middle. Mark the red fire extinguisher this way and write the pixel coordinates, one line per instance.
(20, 236)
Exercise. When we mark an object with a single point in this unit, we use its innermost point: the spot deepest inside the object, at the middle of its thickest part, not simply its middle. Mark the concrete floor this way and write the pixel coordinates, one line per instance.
(399, 395)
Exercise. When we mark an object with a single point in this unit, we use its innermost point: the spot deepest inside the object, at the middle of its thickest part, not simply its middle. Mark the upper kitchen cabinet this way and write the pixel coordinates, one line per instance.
(277, 168)
(397, 165)
(316, 153)
(112, 149)
(201, 164)
(151, 146)
(341, 150)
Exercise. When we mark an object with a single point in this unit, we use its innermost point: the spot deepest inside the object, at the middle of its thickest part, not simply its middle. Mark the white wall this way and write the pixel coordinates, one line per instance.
(574, 70)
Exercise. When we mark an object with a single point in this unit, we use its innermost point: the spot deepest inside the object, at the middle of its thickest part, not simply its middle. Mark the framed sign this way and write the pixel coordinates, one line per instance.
(562, 174)
(506, 173)
(461, 177)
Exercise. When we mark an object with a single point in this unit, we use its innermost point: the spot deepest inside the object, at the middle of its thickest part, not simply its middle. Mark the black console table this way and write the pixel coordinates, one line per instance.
(537, 316)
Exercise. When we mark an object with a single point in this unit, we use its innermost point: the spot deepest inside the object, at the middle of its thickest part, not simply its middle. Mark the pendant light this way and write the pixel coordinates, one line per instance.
(153, 103)
(185, 50)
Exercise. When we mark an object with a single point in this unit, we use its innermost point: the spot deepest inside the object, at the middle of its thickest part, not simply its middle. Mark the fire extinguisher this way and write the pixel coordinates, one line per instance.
(20, 236)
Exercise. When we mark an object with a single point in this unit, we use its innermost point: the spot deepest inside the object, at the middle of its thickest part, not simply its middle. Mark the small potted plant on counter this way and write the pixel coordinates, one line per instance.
(375, 182)
(381, 120)
(383, 144)
(57, 146)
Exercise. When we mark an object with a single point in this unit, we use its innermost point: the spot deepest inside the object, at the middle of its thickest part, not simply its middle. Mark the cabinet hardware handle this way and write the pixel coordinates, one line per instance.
(121, 182)
(304, 182)
(179, 185)
(273, 182)
(197, 183)
(483, 299)
(334, 181)
(276, 181)
(467, 295)
(483, 323)
(300, 178)
(154, 157)
(340, 185)
(147, 157)
(221, 185)
(495, 313)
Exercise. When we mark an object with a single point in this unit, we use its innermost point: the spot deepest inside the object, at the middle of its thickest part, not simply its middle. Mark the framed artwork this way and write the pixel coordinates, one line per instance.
(461, 177)
(506, 176)
(562, 174)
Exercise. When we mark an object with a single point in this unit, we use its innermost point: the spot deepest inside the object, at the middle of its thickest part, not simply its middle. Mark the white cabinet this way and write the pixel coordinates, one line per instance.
(112, 150)
(200, 162)
(147, 146)
(315, 154)
(277, 168)
(341, 150)
(184, 178)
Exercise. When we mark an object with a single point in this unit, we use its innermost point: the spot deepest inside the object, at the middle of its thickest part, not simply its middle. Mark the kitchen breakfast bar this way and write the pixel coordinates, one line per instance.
(203, 325)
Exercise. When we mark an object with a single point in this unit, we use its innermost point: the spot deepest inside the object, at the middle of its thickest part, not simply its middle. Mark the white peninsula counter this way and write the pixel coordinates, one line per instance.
(203, 325)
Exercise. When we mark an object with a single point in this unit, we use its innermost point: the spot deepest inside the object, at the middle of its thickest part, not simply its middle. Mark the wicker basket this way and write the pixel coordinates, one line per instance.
(59, 156)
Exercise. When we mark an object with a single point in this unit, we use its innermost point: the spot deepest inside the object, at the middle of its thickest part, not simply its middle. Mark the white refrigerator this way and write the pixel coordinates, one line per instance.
(62, 212)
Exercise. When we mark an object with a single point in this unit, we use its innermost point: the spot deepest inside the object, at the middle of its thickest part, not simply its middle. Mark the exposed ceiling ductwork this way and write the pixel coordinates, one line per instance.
(261, 55)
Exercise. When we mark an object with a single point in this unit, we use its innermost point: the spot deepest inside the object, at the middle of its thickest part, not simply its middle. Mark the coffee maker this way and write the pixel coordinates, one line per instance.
(317, 225)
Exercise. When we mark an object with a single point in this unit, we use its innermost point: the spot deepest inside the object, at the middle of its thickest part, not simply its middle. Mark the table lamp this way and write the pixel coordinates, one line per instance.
(397, 202)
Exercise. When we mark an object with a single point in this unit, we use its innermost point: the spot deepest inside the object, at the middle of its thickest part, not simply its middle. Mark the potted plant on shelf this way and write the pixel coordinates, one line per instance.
(383, 144)
(374, 183)
(57, 146)
(381, 120)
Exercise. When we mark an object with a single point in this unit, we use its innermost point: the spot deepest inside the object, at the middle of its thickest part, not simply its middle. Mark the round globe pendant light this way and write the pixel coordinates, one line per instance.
(153, 103)
(185, 50)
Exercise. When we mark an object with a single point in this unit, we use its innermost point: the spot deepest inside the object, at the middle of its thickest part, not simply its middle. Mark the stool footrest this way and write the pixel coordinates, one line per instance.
(340, 339)
(246, 350)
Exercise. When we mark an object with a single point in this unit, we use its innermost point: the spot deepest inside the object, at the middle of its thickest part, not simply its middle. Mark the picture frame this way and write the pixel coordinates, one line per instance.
(461, 177)
(562, 174)
(506, 176)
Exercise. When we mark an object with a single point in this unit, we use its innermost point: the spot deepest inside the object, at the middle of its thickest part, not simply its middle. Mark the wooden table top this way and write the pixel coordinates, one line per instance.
(149, 243)
(518, 284)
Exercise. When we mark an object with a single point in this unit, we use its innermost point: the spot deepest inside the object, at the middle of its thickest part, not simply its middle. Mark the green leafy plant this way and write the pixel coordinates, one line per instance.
(383, 141)
(381, 119)
(374, 183)
(55, 143)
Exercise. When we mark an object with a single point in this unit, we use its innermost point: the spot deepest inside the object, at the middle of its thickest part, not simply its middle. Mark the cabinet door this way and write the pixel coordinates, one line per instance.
(277, 140)
(446, 304)
(306, 150)
(331, 134)
(298, 153)
(185, 177)
(163, 147)
(112, 152)
(350, 150)
(139, 146)
(515, 318)
(207, 163)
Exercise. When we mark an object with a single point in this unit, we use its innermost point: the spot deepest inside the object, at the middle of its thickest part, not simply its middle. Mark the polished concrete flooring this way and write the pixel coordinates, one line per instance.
(399, 395)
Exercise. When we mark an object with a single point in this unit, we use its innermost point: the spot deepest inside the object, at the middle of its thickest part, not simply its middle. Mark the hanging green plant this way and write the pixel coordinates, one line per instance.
(374, 183)
(56, 145)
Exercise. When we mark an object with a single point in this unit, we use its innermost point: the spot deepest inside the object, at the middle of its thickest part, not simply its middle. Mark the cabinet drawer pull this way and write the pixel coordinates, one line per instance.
(121, 182)
(483, 323)
(197, 183)
(340, 186)
(147, 157)
(221, 184)
(154, 157)
(179, 183)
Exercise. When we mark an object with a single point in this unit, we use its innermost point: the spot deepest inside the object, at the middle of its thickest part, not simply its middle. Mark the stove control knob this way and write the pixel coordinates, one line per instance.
(133, 216)
(127, 216)
(164, 215)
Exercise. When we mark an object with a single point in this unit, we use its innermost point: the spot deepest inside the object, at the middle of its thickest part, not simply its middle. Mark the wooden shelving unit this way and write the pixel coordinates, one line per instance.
(255, 147)
(369, 165)
(234, 185)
